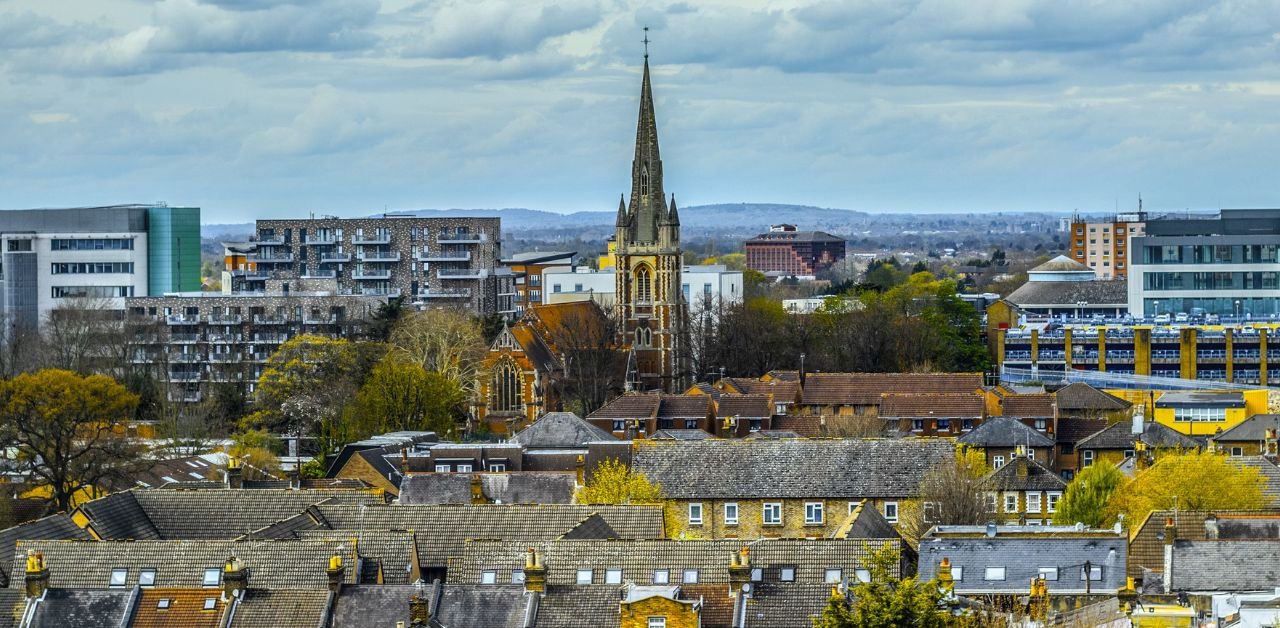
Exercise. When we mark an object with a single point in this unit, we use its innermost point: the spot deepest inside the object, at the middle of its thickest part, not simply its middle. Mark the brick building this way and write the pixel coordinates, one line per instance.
(1103, 245)
(784, 251)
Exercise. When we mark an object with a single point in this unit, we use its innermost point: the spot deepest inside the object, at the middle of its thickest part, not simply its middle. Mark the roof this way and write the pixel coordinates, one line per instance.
(681, 434)
(746, 406)
(790, 468)
(1253, 429)
(629, 406)
(685, 407)
(533, 257)
(1270, 475)
(387, 552)
(571, 606)
(1186, 398)
(1081, 396)
(186, 469)
(1146, 541)
(782, 388)
(53, 527)
(865, 389)
(1217, 565)
(949, 405)
(1073, 429)
(776, 237)
(1003, 431)
(1120, 436)
(1022, 556)
(773, 434)
(281, 608)
(82, 608)
(177, 608)
(1069, 293)
(364, 605)
(1029, 406)
(490, 606)
(1024, 474)
(560, 430)
(1061, 263)
(517, 487)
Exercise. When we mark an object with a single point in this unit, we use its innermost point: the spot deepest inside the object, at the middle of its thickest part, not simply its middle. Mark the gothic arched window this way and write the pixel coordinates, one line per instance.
(644, 180)
(644, 337)
(644, 286)
(504, 388)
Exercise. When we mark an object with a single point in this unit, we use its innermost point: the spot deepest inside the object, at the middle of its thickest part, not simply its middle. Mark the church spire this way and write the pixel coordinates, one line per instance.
(622, 211)
(648, 205)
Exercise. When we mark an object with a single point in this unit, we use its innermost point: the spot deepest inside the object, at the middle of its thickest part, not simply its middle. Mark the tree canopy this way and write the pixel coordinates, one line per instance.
(1191, 480)
(1086, 498)
(613, 482)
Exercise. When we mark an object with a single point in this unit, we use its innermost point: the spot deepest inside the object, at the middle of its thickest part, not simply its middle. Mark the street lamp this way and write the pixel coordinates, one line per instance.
(1080, 309)
(1237, 310)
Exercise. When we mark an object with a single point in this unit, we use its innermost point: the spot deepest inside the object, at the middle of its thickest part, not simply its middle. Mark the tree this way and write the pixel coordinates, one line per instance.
(63, 426)
(951, 493)
(401, 395)
(384, 319)
(1086, 497)
(886, 600)
(447, 341)
(585, 340)
(258, 452)
(613, 482)
(305, 385)
(1192, 480)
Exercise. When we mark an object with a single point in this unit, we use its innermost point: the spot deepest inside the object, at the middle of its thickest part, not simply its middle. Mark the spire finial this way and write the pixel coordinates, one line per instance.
(646, 43)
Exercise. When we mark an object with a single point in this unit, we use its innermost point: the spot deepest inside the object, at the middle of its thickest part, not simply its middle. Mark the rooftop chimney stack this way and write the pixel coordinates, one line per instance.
(337, 572)
(1170, 535)
(1211, 527)
(535, 573)
(477, 489)
(739, 571)
(37, 577)
(234, 473)
(945, 582)
(235, 578)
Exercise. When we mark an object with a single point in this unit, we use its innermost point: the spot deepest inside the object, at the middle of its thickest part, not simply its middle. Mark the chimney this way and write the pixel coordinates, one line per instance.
(404, 461)
(740, 572)
(580, 465)
(1170, 534)
(235, 578)
(1023, 468)
(477, 489)
(295, 475)
(1211, 527)
(336, 572)
(37, 578)
(234, 473)
(535, 573)
(1136, 427)
(419, 609)
(945, 582)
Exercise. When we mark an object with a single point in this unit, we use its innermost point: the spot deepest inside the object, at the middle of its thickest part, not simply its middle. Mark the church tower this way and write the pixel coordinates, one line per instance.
(650, 308)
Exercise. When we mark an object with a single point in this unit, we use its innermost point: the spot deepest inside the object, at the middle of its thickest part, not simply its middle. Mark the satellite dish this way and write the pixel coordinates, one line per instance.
(746, 587)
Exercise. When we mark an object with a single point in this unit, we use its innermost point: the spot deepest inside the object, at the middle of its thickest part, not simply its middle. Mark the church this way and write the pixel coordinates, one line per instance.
(522, 373)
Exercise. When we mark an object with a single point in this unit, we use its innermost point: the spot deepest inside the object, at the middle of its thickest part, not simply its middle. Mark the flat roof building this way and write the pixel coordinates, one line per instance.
(785, 251)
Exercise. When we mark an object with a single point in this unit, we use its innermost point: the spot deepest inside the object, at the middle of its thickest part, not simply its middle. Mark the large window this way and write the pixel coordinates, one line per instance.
(773, 514)
(504, 393)
(644, 286)
(92, 292)
(91, 268)
(92, 244)
(1200, 415)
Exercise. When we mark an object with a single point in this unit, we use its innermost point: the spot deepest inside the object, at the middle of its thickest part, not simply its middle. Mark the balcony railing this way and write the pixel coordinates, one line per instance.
(184, 319)
(273, 258)
(269, 338)
(185, 339)
(261, 319)
(379, 256)
(186, 358)
(368, 274)
(460, 273)
(186, 396)
(444, 294)
(225, 319)
(269, 239)
(460, 238)
(372, 238)
(184, 376)
(320, 320)
(224, 358)
(322, 240)
(259, 356)
(320, 274)
(445, 256)
(335, 257)
(257, 275)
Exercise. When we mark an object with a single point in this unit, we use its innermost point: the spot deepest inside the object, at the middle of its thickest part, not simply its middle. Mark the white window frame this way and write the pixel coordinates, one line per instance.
(212, 577)
(832, 575)
(1087, 458)
(993, 574)
(657, 622)
(787, 573)
(998, 462)
(489, 576)
(443, 468)
(147, 577)
(731, 514)
(1237, 452)
(1008, 506)
(993, 502)
(464, 468)
(891, 512)
(661, 576)
(862, 575)
(1095, 573)
(119, 577)
(695, 514)
(957, 573)
(771, 514)
(690, 576)
(1033, 502)
(497, 467)
(1054, 498)
(585, 576)
(854, 506)
(613, 575)
(813, 513)
(1048, 573)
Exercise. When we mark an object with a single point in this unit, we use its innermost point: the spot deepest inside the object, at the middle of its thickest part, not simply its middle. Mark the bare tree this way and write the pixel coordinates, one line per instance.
(950, 494)
(592, 364)
(446, 341)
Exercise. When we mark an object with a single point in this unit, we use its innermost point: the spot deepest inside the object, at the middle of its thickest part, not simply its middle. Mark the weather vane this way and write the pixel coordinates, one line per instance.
(646, 42)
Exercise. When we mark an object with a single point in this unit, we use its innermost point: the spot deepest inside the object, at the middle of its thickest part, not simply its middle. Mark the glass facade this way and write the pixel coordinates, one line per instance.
(1247, 308)
(1211, 254)
(173, 249)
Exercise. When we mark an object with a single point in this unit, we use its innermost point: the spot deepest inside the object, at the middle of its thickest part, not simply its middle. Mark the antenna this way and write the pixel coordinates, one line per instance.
(646, 42)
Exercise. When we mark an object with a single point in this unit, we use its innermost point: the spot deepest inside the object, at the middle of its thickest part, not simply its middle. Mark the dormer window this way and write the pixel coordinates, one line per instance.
(210, 603)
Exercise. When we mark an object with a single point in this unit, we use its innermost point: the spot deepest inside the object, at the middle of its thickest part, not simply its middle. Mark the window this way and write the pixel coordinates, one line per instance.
(832, 576)
(853, 506)
(957, 573)
(464, 468)
(891, 512)
(1033, 502)
(691, 576)
(210, 603)
(657, 622)
(497, 467)
(1048, 573)
(1053, 501)
(619, 426)
(505, 388)
(212, 577)
(91, 292)
(147, 578)
(442, 468)
(84, 244)
(119, 577)
(787, 574)
(613, 576)
(517, 576)
(661, 576)
(731, 514)
(993, 502)
(1200, 415)
(644, 286)
(695, 514)
(993, 573)
(163, 603)
(757, 574)
(91, 268)
(1237, 451)
(20, 245)
(488, 577)
(584, 576)
(773, 514)
(917, 425)
(555, 287)
(1011, 502)
(862, 575)
(998, 462)
(813, 513)
(1088, 457)
(1095, 573)
(1041, 424)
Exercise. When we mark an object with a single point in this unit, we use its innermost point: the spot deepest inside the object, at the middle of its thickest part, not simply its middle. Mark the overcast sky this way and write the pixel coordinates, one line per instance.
(260, 108)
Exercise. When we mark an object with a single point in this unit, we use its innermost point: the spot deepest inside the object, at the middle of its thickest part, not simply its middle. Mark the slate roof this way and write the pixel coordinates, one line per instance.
(865, 389)
(681, 434)
(1270, 475)
(1074, 429)
(516, 487)
(1003, 431)
(185, 469)
(391, 550)
(1068, 293)
(1251, 430)
(639, 558)
(560, 430)
(1028, 406)
(571, 606)
(744, 406)
(491, 606)
(1022, 556)
(946, 405)
(364, 605)
(88, 564)
(629, 406)
(440, 531)
(1024, 474)
(12, 603)
(1186, 398)
(1225, 565)
(790, 468)
(53, 527)
(81, 608)
(1081, 396)
(281, 608)
(1120, 436)
(183, 608)
(1146, 545)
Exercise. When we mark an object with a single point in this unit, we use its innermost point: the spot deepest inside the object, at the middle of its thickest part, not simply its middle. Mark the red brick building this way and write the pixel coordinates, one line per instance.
(784, 251)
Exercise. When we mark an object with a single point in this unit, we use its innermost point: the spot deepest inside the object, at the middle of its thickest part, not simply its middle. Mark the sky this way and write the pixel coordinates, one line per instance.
(264, 108)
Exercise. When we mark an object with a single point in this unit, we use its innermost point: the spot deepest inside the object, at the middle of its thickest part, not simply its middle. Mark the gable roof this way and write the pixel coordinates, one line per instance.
(1022, 556)
(681, 434)
(560, 430)
(82, 608)
(1269, 473)
(745, 406)
(865, 389)
(1081, 396)
(364, 605)
(790, 468)
(515, 487)
(1038, 405)
(183, 608)
(942, 405)
(1003, 431)
(1024, 474)
(685, 407)
(1228, 565)
(281, 608)
(53, 527)
(1251, 430)
(1120, 436)
(782, 390)
(629, 406)
(1146, 540)
(1073, 429)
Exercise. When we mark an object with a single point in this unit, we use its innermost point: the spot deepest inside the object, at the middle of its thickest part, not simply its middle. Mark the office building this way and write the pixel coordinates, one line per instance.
(705, 287)
(94, 257)
(786, 252)
(1103, 245)
(526, 271)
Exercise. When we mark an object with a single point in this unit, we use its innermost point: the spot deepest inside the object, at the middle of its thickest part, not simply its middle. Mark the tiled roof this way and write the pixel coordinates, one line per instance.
(685, 407)
(1251, 430)
(1228, 566)
(392, 551)
(88, 564)
(807, 426)
(1068, 293)
(790, 468)
(674, 434)
(781, 390)
(570, 606)
(288, 528)
(1270, 475)
(364, 605)
(746, 406)
(1081, 396)
(773, 434)
(1028, 406)
(787, 604)
(53, 527)
(177, 608)
(1003, 431)
(1120, 436)
(629, 406)
(120, 516)
(1074, 429)
(560, 430)
(516, 487)
(495, 606)
(81, 608)
(1024, 474)
(12, 603)
(948, 405)
(865, 389)
(281, 608)
(1146, 544)
(186, 469)
(639, 558)
(442, 530)
(1022, 556)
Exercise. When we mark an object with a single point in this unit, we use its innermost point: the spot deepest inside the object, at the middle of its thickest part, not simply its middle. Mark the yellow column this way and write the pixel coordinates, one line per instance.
(1142, 352)
(1035, 347)
(1262, 355)
(1187, 353)
(1066, 345)
(1231, 366)
(1102, 350)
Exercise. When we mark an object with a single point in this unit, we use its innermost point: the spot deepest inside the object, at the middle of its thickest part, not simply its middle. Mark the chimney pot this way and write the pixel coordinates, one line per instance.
(1211, 527)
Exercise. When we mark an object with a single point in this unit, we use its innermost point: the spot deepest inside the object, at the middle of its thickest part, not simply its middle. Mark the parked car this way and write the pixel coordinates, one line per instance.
(1181, 317)
(1211, 319)
(1162, 319)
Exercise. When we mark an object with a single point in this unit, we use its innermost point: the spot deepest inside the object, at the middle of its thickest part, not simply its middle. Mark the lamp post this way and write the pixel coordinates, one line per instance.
(1237, 310)
(1156, 304)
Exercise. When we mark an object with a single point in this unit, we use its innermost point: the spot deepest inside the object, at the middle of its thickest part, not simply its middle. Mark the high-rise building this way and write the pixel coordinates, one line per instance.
(786, 252)
(1103, 245)
(650, 307)
(94, 257)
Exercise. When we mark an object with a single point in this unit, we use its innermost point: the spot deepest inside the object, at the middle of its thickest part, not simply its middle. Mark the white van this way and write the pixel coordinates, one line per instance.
(1162, 319)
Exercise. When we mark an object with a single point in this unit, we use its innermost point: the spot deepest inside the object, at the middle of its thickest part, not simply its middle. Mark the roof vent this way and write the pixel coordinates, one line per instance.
(991, 529)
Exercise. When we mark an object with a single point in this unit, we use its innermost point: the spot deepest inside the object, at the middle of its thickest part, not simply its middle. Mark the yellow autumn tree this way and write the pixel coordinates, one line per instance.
(613, 482)
(1192, 480)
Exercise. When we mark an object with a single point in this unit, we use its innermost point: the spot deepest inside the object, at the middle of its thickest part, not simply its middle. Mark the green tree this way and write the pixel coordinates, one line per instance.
(1191, 480)
(258, 452)
(446, 341)
(886, 600)
(401, 395)
(384, 319)
(306, 384)
(65, 430)
(1085, 500)
(613, 482)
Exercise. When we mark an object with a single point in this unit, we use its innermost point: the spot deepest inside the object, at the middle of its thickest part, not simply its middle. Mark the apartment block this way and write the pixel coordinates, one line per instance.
(94, 256)
(431, 261)
(785, 251)
(1104, 246)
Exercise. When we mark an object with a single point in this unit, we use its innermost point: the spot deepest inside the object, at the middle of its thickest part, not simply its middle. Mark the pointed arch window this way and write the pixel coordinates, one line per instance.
(644, 286)
(505, 389)
(644, 337)
(644, 179)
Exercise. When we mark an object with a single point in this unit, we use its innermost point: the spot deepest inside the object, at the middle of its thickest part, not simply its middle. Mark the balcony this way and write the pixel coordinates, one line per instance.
(261, 319)
(142, 357)
(460, 238)
(1056, 356)
(269, 240)
(185, 339)
(320, 320)
(186, 396)
(184, 376)
(445, 256)
(225, 319)
(464, 293)
(1120, 357)
(259, 356)
(1250, 356)
(322, 240)
(383, 237)
(1165, 356)
(224, 358)
(369, 274)
(269, 338)
(379, 256)
(183, 319)
(186, 358)
(271, 258)
(1017, 356)
(226, 376)
(460, 273)
(320, 274)
(257, 275)
(224, 339)
(335, 257)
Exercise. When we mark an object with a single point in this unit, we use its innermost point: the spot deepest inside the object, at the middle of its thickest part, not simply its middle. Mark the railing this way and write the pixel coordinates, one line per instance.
(460, 273)
(444, 294)
(269, 240)
(257, 275)
(335, 257)
(270, 338)
(373, 238)
(1053, 356)
(260, 319)
(320, 274)
(1246, 355)
(225, 319)
(320, 320)
(379, 256)
(322, 240)
(445, 256)
(186, 396)
(1273, 355)
(271, 259)
(1084, 357)
(1166, 355)
(368, 274)
(224, 357)
(183, 319)
(186, 358)
(259, 356)
(1017, 355)
(1211, 355)
(184, 376)
(460, 238)
(1119, 356)
(183, 339)
(224, 339)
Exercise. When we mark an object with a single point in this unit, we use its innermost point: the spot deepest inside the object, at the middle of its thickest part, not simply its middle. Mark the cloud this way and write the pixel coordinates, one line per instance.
(331, 122)
(496, 29)
(50, 117)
